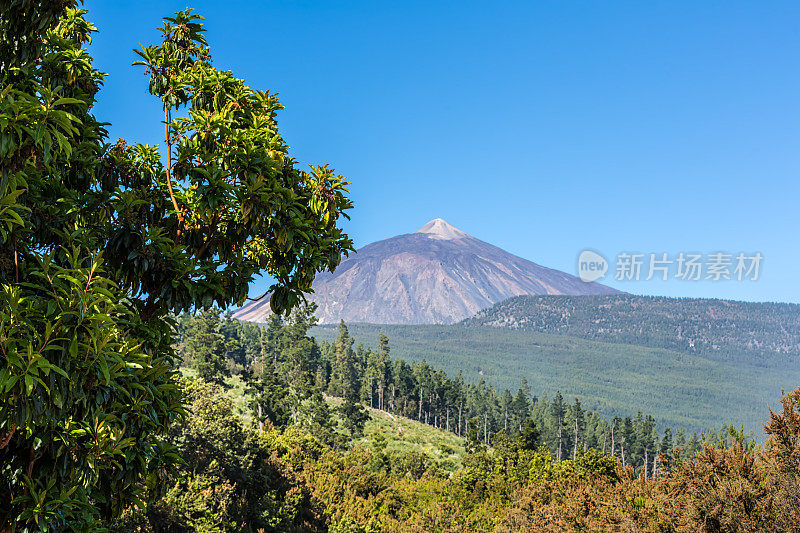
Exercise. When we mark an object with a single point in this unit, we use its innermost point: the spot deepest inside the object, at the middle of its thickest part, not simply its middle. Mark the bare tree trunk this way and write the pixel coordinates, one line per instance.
(430, 405)
(559, 438)
(612, 437)
(505, 421)
(656, 461)
(575, 444)
(419, 417)
(645, 464)
(460, 405)
(260, 418)
(485, 421)
(448, 419)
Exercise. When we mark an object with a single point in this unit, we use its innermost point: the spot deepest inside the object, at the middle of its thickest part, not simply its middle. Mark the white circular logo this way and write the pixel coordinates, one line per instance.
(591, 266)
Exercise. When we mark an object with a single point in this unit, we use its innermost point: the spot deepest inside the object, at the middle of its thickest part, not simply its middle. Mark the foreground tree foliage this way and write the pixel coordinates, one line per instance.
(282, 479)
(99, 242)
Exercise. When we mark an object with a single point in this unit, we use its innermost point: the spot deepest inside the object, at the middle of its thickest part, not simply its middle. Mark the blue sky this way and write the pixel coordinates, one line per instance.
(544, 128)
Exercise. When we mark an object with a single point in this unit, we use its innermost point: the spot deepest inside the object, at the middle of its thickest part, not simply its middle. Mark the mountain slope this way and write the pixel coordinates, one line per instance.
(678, 388)
(719, 328)
(437, 275)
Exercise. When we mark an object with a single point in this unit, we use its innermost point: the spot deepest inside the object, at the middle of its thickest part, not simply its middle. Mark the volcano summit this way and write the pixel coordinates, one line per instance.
(436, 275)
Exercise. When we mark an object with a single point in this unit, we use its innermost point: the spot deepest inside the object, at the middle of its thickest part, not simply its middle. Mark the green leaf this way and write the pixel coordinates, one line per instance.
(58, 370)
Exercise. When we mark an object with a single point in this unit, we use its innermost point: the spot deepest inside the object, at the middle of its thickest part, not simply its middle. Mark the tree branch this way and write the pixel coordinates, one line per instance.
(169, 170)
(5, 439)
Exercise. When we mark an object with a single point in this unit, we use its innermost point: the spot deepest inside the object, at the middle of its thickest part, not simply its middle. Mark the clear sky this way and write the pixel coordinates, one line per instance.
(544, 128)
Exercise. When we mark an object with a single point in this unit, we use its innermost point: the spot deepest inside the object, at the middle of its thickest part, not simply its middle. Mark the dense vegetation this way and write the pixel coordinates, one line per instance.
(475, 411)
(718, 328)
(268, 469)
(100, 241)
(679, 389)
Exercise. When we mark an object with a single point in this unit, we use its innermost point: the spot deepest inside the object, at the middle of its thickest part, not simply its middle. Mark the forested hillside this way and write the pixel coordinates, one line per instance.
(264, 448)
(678, 389)
(717, 328)
(300, 373)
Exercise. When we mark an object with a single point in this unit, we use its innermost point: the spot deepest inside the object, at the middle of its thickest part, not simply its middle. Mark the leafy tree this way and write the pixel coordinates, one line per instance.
(206, 346)
(100, 242)
(228, 480)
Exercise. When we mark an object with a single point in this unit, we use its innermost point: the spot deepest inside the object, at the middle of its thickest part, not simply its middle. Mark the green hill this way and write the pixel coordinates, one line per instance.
(694, 390)
(405, 435)
(722, 329)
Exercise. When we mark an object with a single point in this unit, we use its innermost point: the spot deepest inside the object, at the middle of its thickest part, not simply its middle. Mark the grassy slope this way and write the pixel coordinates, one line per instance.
(402, 434)
(405, 435)
(678, 389)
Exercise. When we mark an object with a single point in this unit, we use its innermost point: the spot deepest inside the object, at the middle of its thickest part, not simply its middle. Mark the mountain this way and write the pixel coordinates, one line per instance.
(437, 275)
(718, 328)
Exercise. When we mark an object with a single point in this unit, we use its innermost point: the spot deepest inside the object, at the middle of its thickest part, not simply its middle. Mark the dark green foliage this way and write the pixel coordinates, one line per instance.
(100, 242)
(87, 385)
(230, 479)
(85, 401)
(206, 347)
(354, 417)
(528, 436)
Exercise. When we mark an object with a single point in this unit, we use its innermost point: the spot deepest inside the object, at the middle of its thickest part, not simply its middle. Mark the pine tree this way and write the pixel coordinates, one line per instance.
(473, 442)
(576, 417)
(381, 368)
(666, 444)
(528, 437)
(507, 405)
(206, 346)
(557, 412)
(346, 366)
